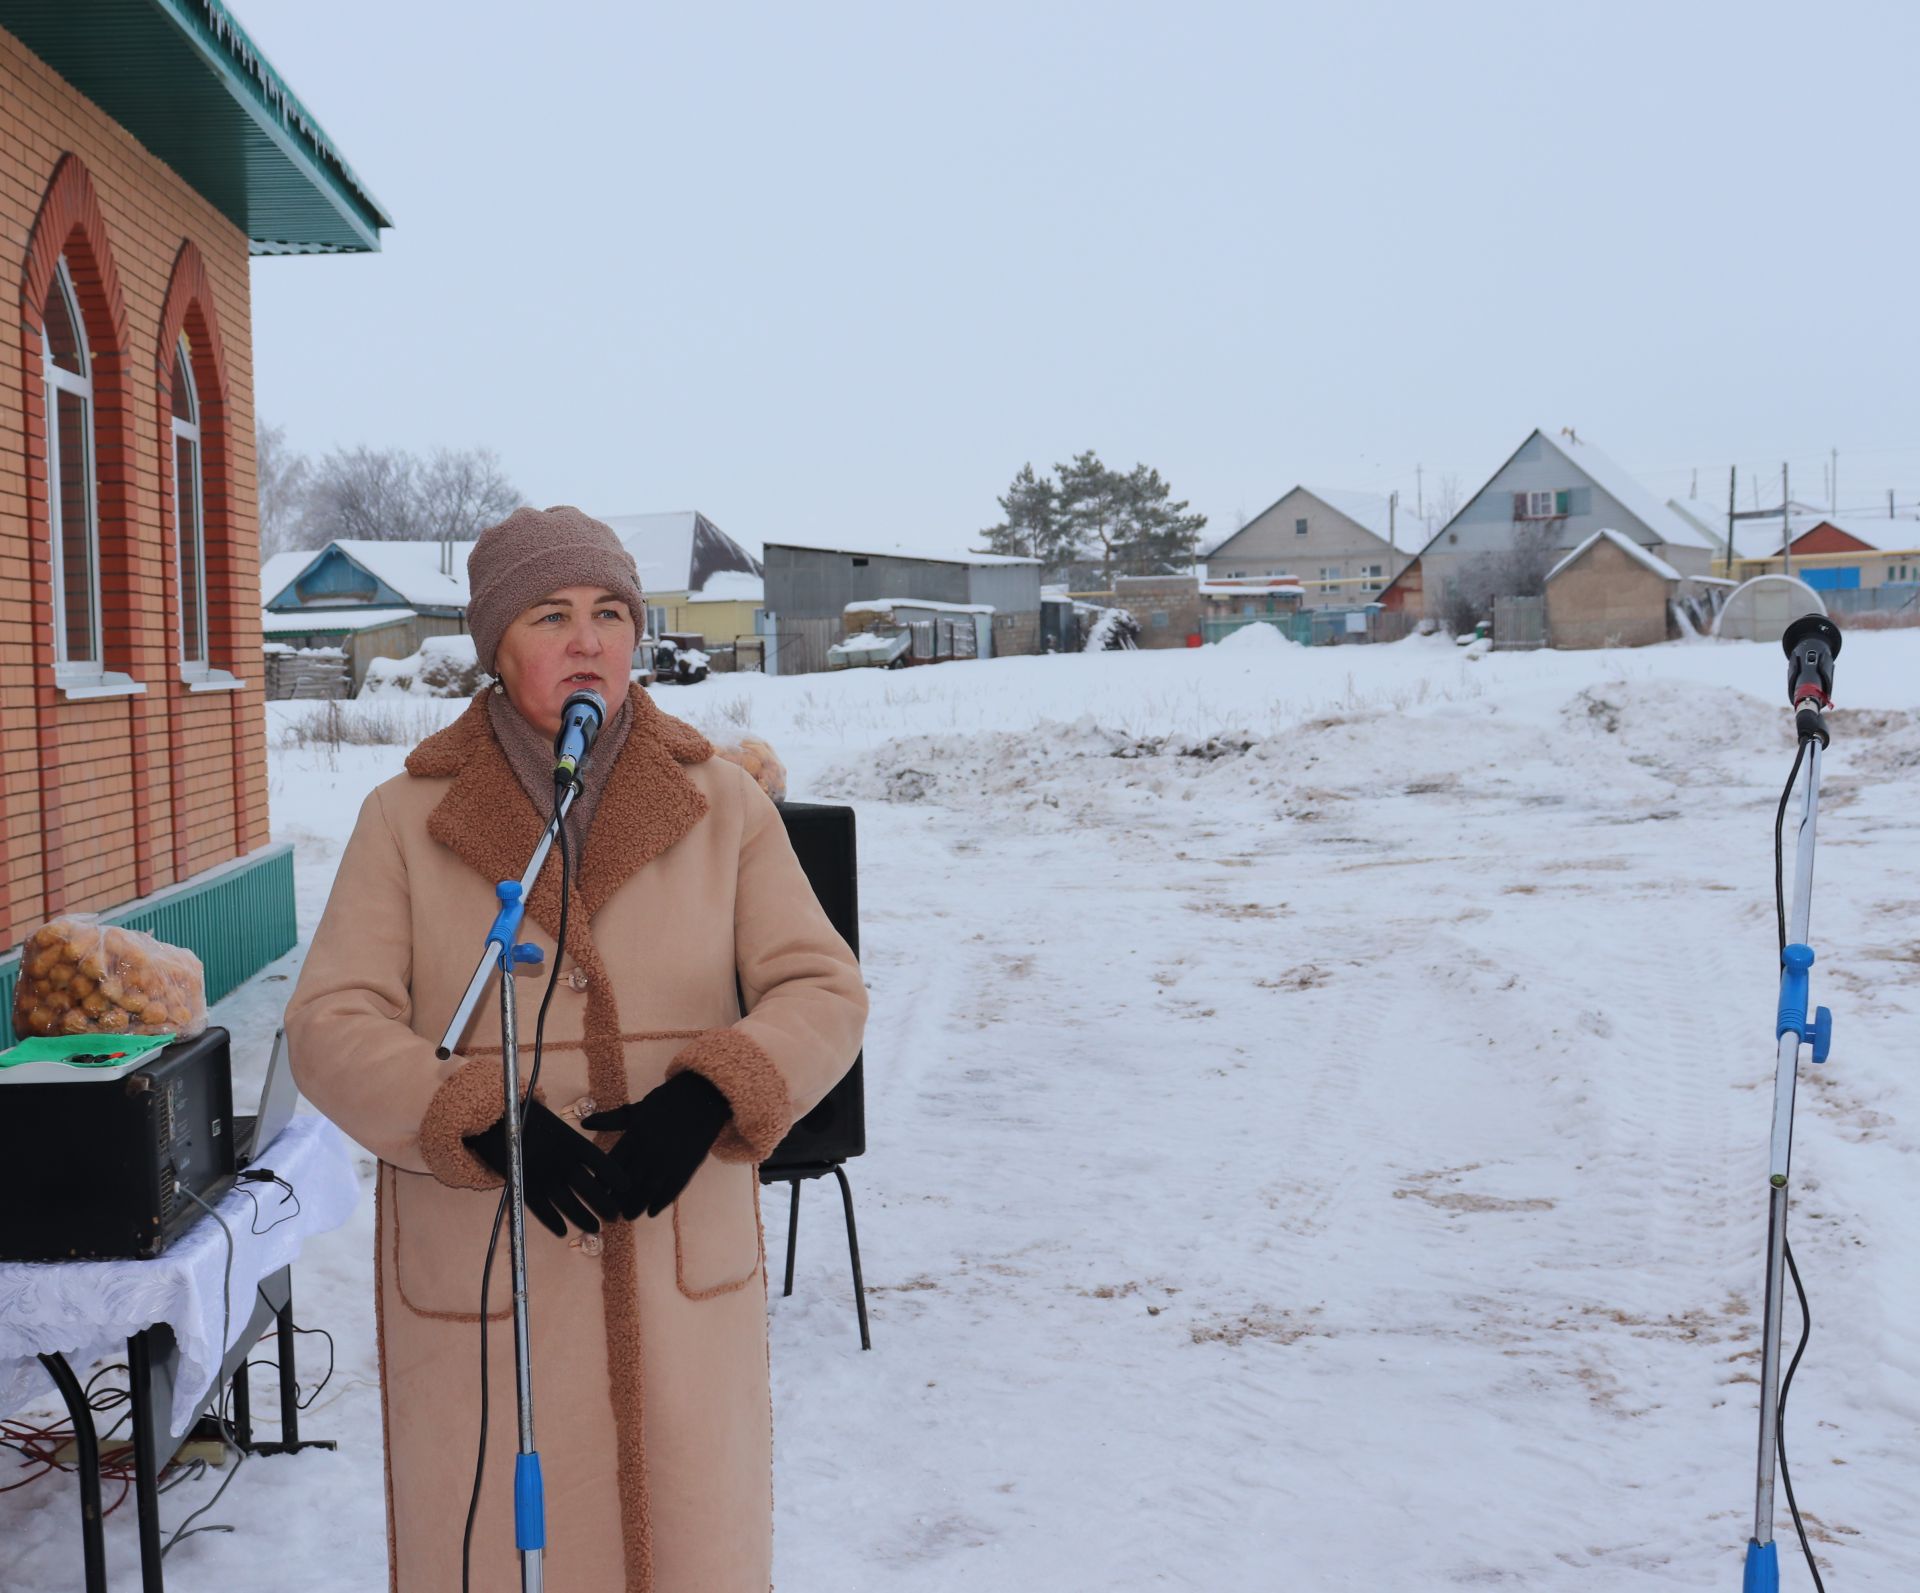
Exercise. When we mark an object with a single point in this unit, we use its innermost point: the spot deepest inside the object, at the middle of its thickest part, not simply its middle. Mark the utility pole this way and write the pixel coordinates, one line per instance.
(1393, 547)
(1833, 484)
(1889, 503)
(1786, 520)
(1733, 489)
(1419, 495)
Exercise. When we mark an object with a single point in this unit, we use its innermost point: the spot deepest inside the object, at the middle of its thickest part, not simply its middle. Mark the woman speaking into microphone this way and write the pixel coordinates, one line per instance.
(663, 1082)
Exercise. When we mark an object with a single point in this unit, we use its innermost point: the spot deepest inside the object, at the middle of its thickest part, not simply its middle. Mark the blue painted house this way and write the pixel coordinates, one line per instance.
(369, 599)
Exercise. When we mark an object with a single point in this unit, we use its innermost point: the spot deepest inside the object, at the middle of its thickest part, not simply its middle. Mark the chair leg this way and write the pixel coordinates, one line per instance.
(793, 1235)
(853, 1247)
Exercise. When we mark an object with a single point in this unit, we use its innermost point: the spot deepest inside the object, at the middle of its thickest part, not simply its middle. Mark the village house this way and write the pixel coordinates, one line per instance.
(698, 580)
(1555, 490)
(369, 599)
(144, 163)
(1341, 548)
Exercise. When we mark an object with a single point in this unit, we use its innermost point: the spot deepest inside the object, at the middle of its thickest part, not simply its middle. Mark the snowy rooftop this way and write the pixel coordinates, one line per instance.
(886, 605)
(1625, 490)
(309, 620)
(731, 586)
(1251, 589)
(682, 551)
(413, 569)
(278, 572)
(895, 550)
(1626, 545)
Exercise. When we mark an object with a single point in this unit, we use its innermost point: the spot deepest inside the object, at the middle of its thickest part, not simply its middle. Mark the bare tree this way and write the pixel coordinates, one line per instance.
(459, 492)
(368, 493)
(1445, 503)
(1518, 570)
(282, 476)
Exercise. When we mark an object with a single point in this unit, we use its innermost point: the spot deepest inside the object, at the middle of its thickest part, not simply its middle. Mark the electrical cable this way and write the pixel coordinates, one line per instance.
(559, 827)
(1806, 1316)
(266, 1175)
(182, 1532)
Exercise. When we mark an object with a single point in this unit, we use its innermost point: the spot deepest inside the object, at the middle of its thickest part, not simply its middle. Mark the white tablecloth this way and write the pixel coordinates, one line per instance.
(87, 1310)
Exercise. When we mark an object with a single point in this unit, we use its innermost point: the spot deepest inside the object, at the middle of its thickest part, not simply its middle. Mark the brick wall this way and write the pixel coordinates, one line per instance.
(1016, 635)
(1608, 599)
(1177, 597)
(108, 799)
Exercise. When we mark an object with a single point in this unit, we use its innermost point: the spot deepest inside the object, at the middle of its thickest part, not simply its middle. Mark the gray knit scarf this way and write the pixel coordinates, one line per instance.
(530, 756)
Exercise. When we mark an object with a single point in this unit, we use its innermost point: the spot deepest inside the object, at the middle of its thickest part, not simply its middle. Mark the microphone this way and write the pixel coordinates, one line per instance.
(1811, 644)
(581, 717)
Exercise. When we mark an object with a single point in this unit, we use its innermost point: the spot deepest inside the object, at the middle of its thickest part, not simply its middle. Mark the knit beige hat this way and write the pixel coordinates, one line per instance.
(537, 551)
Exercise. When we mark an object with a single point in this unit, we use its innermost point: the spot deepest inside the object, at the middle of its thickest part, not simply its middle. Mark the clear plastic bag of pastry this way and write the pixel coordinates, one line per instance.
(760, 761)
(80, 976)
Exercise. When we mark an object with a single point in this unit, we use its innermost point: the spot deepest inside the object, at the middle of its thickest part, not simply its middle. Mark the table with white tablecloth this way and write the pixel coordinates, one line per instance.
(60, 1314)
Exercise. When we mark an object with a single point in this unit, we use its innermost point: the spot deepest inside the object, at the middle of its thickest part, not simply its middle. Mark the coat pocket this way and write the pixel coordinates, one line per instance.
(440, 1249)
(716, 1230)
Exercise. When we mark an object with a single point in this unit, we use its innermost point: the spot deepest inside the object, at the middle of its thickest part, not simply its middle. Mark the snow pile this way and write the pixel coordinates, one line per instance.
(445, 666)
(1258, 637)
(1114, 631)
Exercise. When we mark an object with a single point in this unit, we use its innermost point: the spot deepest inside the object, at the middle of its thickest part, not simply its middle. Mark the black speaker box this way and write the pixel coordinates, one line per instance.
(823, 839)
(92, 1165)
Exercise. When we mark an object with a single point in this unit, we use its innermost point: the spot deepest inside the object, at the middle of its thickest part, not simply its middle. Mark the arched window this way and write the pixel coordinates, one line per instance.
(189, 509)
(72, 497)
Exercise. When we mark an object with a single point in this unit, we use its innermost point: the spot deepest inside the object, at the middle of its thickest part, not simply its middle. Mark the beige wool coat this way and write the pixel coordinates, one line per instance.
(652, 1412)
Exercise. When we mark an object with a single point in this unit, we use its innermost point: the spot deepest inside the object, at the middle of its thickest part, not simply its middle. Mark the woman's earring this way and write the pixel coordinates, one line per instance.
(499, 687)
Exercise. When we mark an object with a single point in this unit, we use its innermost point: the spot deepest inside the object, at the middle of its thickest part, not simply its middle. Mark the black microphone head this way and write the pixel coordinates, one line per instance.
(1810, 643)
(1808, 627)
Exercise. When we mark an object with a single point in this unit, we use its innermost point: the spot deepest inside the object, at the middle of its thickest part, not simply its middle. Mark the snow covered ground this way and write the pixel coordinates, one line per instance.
(1318, 1105)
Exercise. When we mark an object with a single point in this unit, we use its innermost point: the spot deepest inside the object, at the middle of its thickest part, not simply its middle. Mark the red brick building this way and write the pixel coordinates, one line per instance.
(147, 151)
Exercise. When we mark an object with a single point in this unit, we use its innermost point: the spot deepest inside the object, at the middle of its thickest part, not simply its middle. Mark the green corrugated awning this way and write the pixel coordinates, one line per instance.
(183, 77)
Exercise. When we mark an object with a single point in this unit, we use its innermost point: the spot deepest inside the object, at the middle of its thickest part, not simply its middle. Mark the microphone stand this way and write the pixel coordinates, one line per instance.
(1810, 644)
(503, 950)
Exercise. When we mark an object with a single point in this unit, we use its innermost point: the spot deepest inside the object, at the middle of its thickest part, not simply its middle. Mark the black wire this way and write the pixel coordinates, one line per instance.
(559, 827)
(182, 1532)
(267, 1176)
(1806, 1316)
(1780, 1417)
(1779, 826)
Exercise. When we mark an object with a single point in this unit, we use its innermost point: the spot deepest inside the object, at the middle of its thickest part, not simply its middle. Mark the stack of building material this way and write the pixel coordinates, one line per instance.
(306, 673)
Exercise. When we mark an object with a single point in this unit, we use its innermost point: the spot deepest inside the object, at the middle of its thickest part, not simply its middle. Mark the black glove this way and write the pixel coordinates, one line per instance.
(565, 1173)
(665, 1137)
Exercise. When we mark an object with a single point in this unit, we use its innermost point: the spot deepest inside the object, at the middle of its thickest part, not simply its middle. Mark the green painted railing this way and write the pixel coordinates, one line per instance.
(236, 918)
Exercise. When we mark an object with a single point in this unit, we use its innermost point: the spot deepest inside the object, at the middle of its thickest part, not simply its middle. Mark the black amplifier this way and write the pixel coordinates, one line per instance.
(90, 1166)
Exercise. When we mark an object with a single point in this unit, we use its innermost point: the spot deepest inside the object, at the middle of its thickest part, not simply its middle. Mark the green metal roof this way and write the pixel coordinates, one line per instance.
(183, 77)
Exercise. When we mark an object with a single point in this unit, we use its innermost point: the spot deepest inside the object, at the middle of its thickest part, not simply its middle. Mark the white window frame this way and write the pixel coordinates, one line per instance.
(1534, 509)
(92, 670)
(190, 430)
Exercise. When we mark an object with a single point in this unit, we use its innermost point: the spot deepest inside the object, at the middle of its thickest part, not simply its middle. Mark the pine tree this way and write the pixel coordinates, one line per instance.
(1157, 536)
(1032, 526)
(1092, 501)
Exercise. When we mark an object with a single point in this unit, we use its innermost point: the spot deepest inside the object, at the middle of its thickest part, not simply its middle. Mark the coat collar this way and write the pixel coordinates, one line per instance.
(647, 804)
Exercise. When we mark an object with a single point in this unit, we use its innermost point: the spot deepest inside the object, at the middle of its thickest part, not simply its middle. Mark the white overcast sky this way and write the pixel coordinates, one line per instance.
(832, 268)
